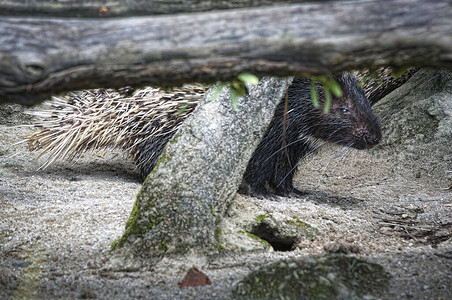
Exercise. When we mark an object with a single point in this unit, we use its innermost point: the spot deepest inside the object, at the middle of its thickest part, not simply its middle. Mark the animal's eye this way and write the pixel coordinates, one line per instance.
(345, 110)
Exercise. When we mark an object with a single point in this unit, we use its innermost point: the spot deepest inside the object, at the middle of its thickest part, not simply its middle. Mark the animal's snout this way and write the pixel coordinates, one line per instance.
(368, 137)
(371, 138)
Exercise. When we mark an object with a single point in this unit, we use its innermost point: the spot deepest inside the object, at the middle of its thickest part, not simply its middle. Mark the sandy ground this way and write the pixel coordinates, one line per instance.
(391, 205)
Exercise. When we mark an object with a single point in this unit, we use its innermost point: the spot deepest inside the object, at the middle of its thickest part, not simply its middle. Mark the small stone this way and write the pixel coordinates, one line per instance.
(385, 229)
(22, 264)
(195, 277)
(341, 247)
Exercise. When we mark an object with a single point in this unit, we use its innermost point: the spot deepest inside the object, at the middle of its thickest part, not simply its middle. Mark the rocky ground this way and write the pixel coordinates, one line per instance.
(391, 205)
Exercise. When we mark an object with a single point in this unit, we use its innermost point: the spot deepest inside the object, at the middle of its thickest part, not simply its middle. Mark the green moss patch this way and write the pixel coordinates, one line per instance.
(308, 231)
(321, 277)
(256, 238)
(263, 217)
(133, 226)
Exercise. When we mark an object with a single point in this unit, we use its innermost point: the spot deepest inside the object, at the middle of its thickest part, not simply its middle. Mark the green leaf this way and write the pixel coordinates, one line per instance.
(248, 78)
(236, 85)
(239, 87)
(182, 109)
(334, 87)
(234, 99)
(328, 99)
(314, 94)
(218, 91)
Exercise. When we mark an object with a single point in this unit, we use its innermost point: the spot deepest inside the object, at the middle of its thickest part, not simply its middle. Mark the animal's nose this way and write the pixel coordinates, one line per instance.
(371, 139)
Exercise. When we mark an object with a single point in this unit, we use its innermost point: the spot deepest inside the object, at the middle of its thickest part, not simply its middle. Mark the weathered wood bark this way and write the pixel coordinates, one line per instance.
(112, 8)
(186, 195)
(44, 56)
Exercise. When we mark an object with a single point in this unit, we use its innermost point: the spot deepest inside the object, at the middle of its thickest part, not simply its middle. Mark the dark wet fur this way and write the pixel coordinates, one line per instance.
(274, 162)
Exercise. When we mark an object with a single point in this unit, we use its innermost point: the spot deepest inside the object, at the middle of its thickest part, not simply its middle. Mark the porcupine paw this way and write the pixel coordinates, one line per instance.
(261, 194)
(290, 192)
(253, 191)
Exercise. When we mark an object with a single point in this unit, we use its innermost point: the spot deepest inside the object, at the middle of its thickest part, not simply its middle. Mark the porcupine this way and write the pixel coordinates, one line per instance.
(143, 127)
(350, 122)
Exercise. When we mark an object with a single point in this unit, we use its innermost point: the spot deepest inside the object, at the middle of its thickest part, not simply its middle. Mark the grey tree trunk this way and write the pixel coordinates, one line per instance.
(40, 57)
(197, 176)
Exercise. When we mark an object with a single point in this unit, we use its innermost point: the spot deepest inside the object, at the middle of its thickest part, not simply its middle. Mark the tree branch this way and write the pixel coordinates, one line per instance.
(116, 8)
(44, 56)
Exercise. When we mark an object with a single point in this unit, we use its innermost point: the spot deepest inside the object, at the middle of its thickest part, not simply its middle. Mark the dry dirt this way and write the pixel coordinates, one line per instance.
(391, 205)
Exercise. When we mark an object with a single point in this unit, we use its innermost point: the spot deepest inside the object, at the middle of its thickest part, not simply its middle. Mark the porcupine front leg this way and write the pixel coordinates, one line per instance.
(269, 161)
(282, 176)
(255, 178)
(262, 164)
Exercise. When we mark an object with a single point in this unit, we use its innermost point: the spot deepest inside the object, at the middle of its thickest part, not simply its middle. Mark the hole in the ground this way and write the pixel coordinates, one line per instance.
(279, 242)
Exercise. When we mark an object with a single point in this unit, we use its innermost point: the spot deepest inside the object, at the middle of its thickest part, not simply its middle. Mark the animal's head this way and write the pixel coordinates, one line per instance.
(350, 120)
